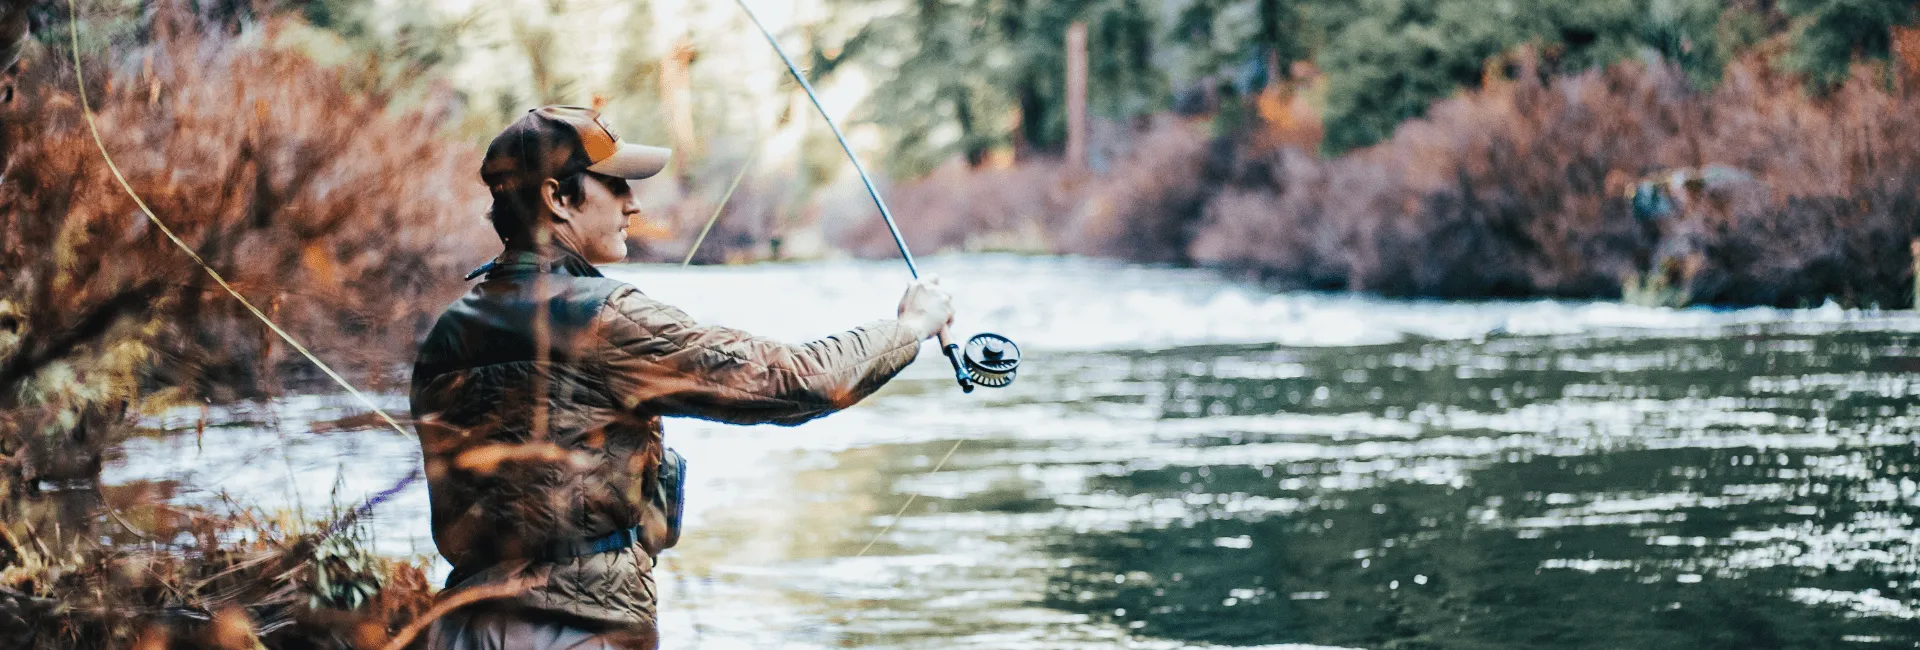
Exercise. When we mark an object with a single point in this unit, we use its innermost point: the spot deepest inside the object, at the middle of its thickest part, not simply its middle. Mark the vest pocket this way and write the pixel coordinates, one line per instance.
(671, 495)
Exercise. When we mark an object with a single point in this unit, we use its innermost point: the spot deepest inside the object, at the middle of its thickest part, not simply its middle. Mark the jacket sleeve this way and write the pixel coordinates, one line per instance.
(663, 362)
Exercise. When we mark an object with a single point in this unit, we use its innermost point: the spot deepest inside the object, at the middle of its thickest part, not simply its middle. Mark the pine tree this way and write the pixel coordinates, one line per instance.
(961, 78)
(1830, 35)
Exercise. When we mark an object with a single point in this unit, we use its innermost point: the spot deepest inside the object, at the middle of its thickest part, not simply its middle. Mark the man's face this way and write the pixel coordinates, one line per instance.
(599, 221)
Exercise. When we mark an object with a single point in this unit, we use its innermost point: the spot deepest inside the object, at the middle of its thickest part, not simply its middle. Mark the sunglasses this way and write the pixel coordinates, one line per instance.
(619, 186)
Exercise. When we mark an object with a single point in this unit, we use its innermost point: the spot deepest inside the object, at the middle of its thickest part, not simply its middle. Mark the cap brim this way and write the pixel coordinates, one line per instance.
(633, 161)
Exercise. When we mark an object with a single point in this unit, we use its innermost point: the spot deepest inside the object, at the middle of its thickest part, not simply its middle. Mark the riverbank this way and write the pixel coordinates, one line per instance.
(1586, 186)
(97, 566)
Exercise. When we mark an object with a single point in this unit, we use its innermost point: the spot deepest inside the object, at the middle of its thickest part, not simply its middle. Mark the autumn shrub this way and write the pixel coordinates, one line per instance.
(955, 207)
(346, 221)
(1520, 189)
(1149, 205)
(144, 575)
(1146, 208)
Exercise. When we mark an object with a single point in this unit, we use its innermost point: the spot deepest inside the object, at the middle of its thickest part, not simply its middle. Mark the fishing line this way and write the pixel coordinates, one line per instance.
(986, 355)
(885, 214)
(86, 109)
(989, 359)
(910, 498)
(805, 85)
(721, 207)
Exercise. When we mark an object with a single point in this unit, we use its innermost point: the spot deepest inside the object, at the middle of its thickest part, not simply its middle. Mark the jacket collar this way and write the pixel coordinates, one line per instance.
(561, 260)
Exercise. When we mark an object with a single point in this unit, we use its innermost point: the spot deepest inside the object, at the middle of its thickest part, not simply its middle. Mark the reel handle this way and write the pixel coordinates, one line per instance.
(953, 356)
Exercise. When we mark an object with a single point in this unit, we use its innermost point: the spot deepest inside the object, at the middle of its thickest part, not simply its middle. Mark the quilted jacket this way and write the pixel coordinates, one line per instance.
(509, 473)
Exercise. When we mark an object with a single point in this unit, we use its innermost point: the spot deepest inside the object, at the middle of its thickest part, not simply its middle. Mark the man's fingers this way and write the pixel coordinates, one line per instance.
(925, 301)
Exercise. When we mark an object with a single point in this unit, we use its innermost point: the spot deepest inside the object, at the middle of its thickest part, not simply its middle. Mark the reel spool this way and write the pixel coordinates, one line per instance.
(989, 360)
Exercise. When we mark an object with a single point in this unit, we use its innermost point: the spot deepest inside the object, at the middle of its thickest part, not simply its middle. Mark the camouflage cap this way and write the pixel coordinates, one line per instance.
(560, 141)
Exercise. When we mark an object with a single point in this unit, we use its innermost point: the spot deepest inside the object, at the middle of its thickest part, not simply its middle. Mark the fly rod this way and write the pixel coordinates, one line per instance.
(989, 360)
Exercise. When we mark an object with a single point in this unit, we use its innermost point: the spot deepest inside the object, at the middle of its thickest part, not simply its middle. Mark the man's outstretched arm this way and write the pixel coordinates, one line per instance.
(664, 362)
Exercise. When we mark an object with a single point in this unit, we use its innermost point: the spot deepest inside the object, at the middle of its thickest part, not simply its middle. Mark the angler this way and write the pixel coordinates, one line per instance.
(538, 397)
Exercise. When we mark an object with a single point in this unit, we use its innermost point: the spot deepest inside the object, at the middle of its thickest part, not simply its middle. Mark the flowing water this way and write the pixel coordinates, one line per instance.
(1187, 461)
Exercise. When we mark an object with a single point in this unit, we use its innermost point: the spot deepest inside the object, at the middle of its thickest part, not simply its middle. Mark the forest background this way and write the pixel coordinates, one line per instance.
(1444, 148)
(322, 155)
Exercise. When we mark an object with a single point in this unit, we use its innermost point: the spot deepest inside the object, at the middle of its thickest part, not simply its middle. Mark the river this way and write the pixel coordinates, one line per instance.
(1189, 461)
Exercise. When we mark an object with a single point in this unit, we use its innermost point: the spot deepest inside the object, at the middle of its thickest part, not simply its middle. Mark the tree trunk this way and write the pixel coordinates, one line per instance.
(676, 89)
(1077, 96)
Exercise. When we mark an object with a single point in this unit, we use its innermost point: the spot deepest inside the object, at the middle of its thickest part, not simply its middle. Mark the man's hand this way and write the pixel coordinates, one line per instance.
(926, 308)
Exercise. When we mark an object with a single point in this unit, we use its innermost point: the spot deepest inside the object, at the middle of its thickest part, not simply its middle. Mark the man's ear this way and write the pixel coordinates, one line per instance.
(556, 204)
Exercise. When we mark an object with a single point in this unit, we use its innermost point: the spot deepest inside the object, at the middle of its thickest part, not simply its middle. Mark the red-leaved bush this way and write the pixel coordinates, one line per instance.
(348, 221)
(1519, 188)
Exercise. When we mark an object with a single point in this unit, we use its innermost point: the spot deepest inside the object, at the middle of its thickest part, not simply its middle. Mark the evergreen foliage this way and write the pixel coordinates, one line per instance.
(965, 76)
(1240, 40)
(1831, 34)
(1387, 60)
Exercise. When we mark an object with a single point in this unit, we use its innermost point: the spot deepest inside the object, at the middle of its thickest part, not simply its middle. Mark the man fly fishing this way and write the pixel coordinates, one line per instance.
(539, 395)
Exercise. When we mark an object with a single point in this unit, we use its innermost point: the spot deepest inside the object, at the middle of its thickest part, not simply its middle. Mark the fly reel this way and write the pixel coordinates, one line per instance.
(989, 360)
